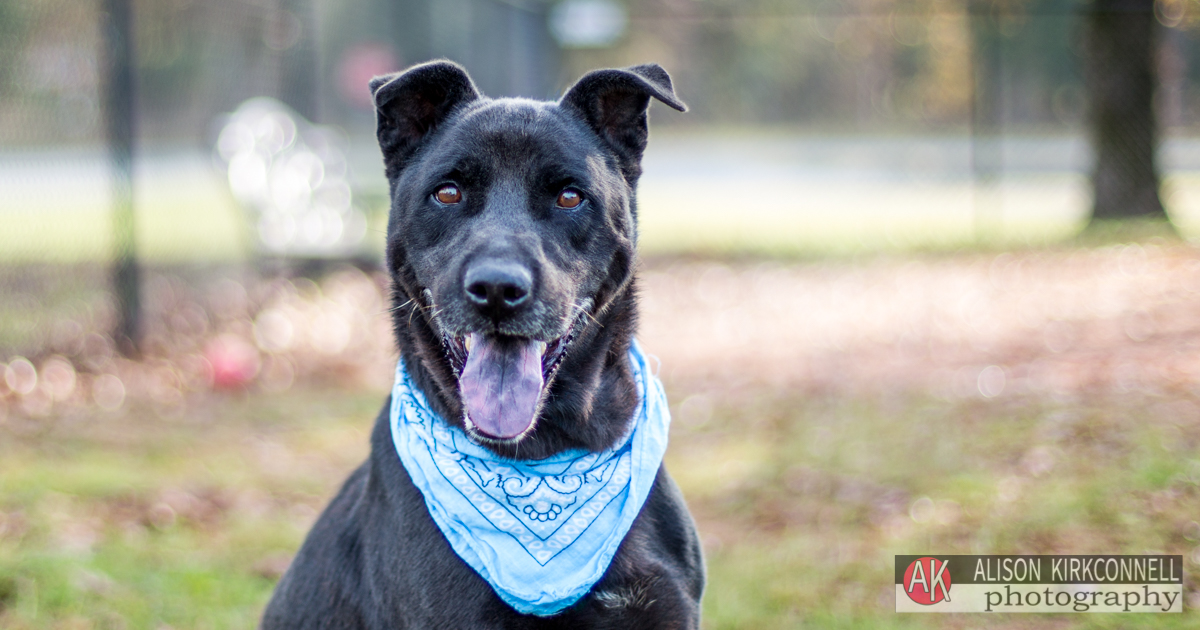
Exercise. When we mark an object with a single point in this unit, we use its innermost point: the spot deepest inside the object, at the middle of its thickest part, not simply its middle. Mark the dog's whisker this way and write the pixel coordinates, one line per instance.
(582, 308)
(414, 305)
(398, 306)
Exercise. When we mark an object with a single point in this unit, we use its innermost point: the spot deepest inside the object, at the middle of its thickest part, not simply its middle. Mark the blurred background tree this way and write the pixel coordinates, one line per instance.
(855, 66)
(1122, 76)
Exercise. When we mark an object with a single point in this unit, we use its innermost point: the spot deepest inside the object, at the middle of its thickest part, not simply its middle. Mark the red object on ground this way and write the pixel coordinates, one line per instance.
(235, 362)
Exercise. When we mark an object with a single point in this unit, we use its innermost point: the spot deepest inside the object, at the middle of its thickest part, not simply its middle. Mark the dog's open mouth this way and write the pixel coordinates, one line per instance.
(502, 380)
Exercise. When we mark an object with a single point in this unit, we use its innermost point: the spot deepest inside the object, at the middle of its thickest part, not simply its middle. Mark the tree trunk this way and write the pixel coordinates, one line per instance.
(118, 77)
(1121, 45)
(299, 69)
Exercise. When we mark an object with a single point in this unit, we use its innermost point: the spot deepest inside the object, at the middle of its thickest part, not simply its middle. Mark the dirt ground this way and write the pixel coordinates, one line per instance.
(1052, 322)
(1057, 322)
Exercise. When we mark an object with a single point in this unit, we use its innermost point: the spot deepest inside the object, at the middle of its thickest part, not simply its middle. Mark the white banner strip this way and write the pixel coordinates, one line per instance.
(1051, 598)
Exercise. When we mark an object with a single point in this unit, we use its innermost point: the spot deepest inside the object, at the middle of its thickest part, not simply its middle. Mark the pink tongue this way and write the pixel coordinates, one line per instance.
(501, 384)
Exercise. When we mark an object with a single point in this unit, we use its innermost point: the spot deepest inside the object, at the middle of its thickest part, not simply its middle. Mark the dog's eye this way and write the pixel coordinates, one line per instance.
(569, 198)
(448, 194)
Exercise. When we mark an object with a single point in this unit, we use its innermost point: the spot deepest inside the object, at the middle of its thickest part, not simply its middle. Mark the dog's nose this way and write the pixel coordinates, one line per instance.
(498, 288)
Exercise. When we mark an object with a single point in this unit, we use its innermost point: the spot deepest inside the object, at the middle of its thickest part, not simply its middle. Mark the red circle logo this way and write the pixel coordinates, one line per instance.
(927, 581)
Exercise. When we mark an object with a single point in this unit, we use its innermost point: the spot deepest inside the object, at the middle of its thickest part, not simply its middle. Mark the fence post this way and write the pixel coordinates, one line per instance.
(119, 121)
(987, 75)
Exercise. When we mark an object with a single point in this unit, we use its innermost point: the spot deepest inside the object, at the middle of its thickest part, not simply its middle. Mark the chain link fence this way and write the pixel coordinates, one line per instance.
(253, 163)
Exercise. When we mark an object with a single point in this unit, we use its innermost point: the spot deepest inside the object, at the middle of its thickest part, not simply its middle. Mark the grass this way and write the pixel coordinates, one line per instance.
(144, 522)
(179, 218)
(831, 489)
(204, 225)
(139, 520)
(1100, 232)
(188, 215)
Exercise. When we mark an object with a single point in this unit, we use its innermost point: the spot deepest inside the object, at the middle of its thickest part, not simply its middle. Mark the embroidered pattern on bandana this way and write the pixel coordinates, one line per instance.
(565, 515)
(545, 513)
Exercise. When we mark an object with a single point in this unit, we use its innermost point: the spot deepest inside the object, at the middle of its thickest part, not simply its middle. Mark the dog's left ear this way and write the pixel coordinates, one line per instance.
(613, 102)
(409, 105)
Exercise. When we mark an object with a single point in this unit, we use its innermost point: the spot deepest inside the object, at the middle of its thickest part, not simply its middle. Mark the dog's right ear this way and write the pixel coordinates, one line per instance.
(409, 105)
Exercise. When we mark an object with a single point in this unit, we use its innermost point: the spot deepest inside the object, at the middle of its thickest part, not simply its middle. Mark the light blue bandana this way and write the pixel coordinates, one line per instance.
(541, 532)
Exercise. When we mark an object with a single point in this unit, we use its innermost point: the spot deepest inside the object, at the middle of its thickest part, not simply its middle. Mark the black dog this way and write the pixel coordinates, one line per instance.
(511, 247)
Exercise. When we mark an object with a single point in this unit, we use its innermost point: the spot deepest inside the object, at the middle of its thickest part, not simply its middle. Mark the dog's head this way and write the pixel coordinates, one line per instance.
(511, 249)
